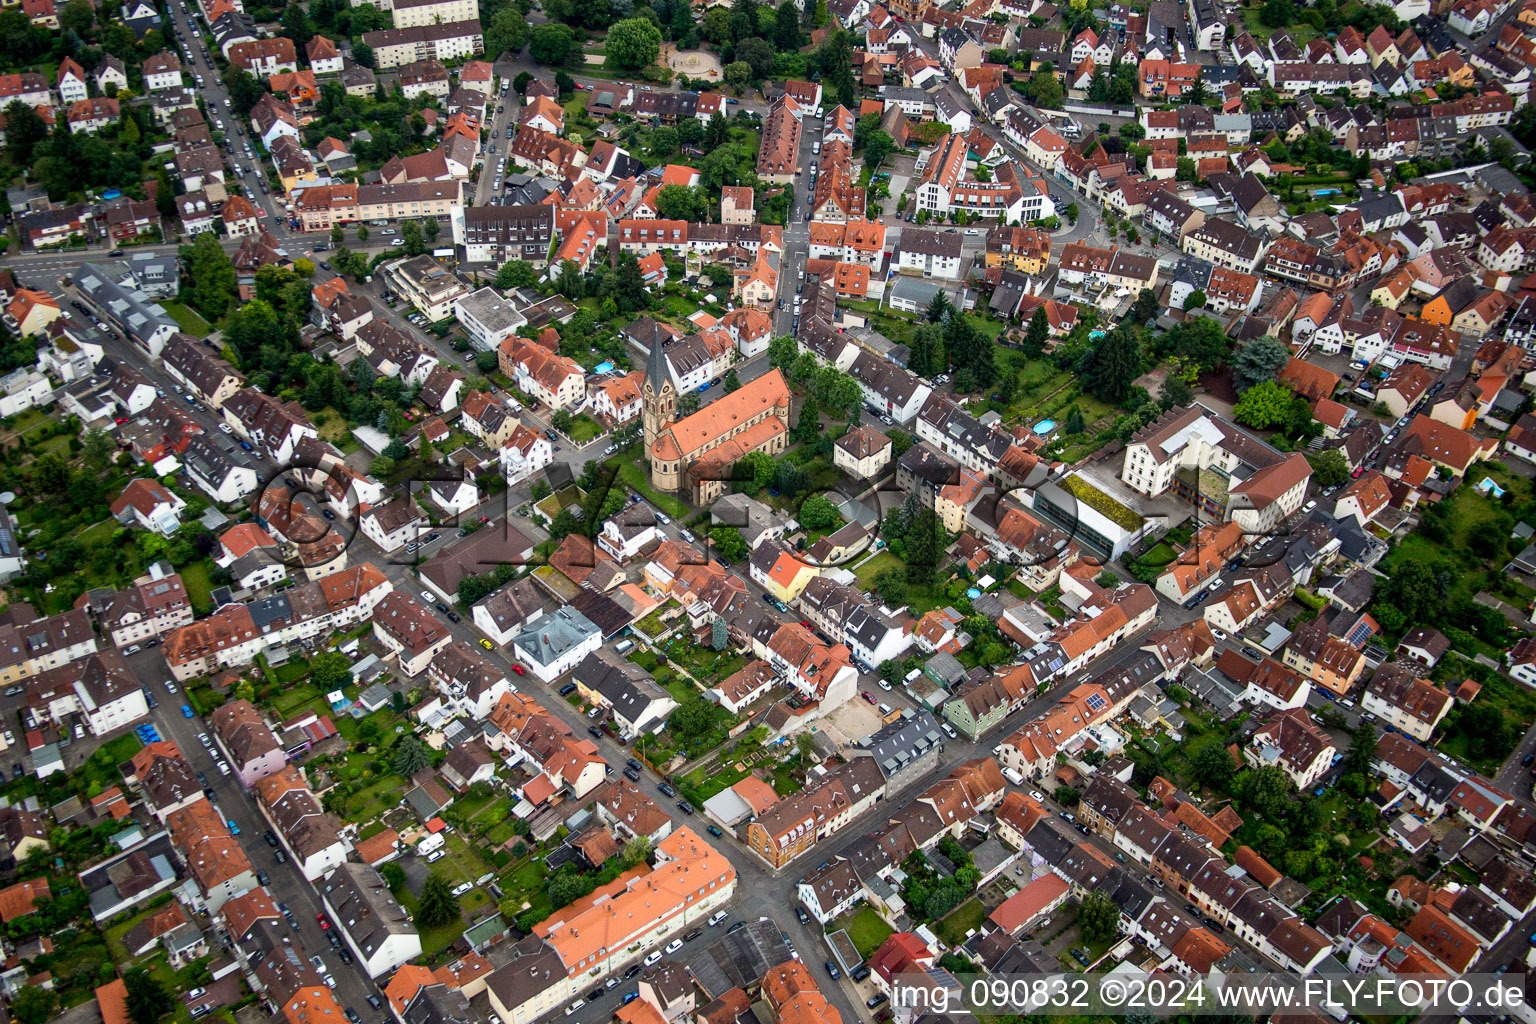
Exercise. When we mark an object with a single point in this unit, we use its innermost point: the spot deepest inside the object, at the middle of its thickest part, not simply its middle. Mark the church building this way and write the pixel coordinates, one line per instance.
(699, 451)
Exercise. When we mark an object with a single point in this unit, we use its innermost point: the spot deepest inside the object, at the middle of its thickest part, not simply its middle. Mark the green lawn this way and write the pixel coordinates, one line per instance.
(194, 577)
(376, 798)
(865, 929)
(291, 671)
(634, 473)
(122, 748)
(584, 428)
(1300, 32)
(966, 917)
(189, 320)
(883, 560)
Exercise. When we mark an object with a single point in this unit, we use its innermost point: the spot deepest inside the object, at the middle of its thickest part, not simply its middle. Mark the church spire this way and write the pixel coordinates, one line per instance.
(656, 362)
(658, 397)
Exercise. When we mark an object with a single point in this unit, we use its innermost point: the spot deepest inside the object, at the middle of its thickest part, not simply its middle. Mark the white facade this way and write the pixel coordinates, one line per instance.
(114, 714)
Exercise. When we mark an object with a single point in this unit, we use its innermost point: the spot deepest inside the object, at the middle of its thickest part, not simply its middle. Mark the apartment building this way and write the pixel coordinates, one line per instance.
(593, 937)
(423, 13)
(426, 284)
(375, 926)
(496, 234)
(312, 835)
(411, 633)
(247, 740)
(445, 42)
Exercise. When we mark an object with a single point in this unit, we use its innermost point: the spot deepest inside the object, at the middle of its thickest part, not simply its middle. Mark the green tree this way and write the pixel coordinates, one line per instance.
(362, 55)
(330, 670)
(1258, 360)
(731, 381)
(245, 91)
(516, 274)
(147, 999)
(212, 275)
(552, 43)
(664, 140)
(437, 904)
(1115, 365)
(296, 25)
(719, 634)
(756, 468)
(1267, 790)
(1037, 334)
(1098, 918)
(382, 466)
(729, 543)
(1045, 88)
(818, 513)
(758, 54)
(394, 879)
(786, 26)
(506, 33)
(1194, 300)
(879, 146)
(32, 1004)
(411, 239)
(682, 202)
(1329, 468)
(1277, 13)
(1263, 405)
(409, 756)
(737, 73)
(1213, 766)
(693, 718)
(1487, 731)
(1362, 750)
(633, 44)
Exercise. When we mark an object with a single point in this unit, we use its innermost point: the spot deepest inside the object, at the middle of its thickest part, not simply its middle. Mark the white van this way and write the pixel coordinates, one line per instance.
(430, 844)
(1013, 776)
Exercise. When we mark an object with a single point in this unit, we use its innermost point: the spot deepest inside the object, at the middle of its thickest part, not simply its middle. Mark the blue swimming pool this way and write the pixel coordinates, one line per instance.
(603, 368)
(1045, 427)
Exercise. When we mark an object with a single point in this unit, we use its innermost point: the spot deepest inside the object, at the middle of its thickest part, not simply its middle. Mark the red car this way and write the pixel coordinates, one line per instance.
(807, 625)
(323, 922)
(519, 669)
(869, 697)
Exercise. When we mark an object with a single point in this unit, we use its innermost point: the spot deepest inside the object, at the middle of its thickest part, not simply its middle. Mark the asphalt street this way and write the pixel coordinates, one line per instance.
(287, 884)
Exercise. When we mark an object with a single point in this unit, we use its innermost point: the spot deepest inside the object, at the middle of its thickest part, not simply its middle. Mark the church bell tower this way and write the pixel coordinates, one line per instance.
(658, 397)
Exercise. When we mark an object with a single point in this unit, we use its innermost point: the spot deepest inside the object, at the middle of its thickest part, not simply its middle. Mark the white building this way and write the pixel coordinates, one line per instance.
(488, 318)
(374, 925)
(557, 643)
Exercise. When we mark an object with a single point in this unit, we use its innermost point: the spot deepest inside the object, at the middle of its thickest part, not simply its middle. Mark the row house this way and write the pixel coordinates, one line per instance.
(147, 608)
(528, 734)
(854, 241)
(322, 207)
(235, 633)
(312, 835)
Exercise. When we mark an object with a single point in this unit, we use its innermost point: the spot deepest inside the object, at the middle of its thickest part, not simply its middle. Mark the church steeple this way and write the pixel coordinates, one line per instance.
(658, 397)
